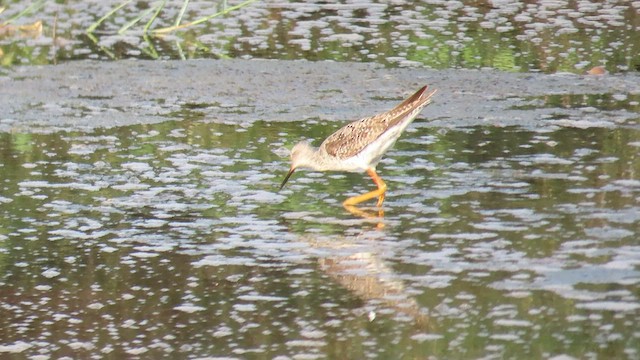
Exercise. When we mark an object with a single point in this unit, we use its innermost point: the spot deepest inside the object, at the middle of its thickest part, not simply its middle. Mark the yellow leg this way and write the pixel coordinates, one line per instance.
(379, 193)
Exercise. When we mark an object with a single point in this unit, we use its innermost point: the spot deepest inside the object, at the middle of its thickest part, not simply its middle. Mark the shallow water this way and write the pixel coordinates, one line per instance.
(172, 240)
(141, 216)
(549, 35)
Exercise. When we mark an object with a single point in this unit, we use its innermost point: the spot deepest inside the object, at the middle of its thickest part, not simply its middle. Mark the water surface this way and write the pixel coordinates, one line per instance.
(549, 36)
(172, 240)
(139, 205)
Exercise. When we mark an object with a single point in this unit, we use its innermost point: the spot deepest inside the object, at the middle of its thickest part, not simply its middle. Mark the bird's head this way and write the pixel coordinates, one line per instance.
(301, 154)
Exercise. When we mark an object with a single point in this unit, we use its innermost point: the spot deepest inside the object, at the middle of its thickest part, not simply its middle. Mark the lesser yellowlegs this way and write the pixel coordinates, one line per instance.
(359, 146)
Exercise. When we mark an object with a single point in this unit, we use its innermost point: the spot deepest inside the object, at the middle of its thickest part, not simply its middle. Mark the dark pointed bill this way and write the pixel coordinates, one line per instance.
(287, 178)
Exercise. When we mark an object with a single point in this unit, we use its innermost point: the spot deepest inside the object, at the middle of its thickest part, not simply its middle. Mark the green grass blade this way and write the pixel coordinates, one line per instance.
(155, 16)
(93, 27)
(106, 51)
(128, 25)
(31, 8)
(181, 14)
(150, 49)
(203, 19)
(180, 52)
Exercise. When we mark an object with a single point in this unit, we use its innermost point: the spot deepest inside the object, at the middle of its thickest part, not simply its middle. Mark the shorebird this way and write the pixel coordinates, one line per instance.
(359, 146)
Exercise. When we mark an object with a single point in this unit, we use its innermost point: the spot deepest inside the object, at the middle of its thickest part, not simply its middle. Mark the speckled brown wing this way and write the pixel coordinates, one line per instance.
(354, 137)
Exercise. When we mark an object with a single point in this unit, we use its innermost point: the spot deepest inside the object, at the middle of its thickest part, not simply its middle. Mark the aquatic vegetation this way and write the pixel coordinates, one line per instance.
(155, 11)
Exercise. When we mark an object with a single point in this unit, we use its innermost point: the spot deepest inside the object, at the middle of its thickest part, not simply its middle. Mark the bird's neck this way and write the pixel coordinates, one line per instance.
(314, 160)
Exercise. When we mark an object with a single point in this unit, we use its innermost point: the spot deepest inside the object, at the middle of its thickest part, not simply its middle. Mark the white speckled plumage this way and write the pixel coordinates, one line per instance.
(359, 145)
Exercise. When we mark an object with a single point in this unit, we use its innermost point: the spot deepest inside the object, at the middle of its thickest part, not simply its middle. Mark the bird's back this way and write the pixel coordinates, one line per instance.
(354, 137)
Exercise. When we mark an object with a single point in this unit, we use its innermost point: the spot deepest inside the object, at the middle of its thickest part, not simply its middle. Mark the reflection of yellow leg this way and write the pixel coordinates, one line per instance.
(379, 193)
(366, 214)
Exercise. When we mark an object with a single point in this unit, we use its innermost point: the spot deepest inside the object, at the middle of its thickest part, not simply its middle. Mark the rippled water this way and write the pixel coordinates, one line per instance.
(171, 240)
(547, 35)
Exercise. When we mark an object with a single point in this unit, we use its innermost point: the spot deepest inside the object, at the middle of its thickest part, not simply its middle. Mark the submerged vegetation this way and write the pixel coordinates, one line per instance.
(16, 51)
(154, 12)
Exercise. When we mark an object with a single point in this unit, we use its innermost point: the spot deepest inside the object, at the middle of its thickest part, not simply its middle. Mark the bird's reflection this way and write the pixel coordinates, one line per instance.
(359, 268)
(377, 215)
